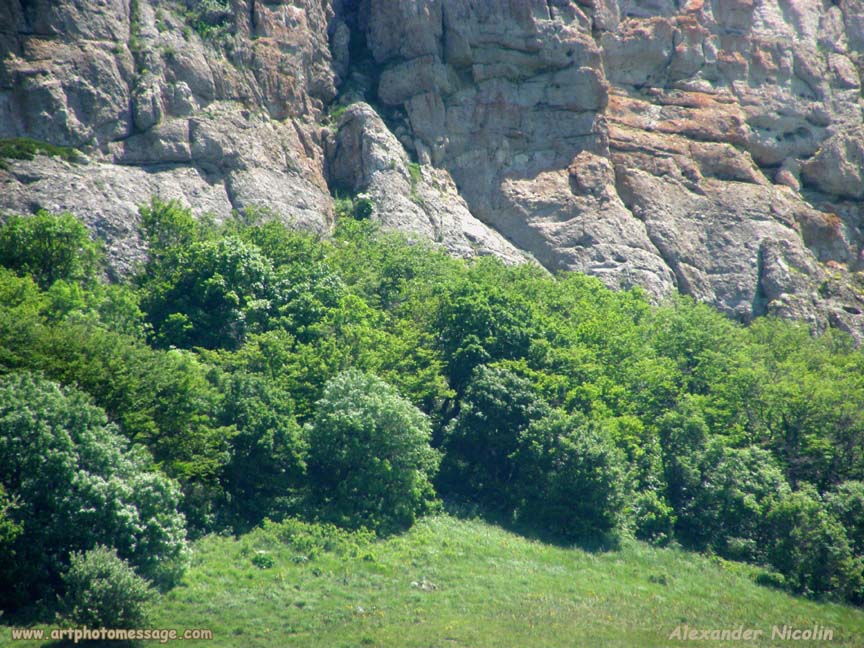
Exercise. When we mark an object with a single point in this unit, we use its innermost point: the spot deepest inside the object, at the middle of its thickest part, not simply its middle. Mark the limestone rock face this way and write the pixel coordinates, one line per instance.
(713, 148)
(710, 147)
(161, 111)
(365, 157)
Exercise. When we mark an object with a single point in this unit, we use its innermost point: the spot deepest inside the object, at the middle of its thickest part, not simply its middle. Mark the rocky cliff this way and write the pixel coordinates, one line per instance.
(715, 148)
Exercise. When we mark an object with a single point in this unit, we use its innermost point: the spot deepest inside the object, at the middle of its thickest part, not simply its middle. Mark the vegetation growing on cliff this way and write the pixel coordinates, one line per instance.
(25, 148)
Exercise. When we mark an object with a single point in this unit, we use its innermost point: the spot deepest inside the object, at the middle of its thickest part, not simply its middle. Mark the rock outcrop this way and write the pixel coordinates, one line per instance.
(713, 148)
(366, 158)
(710, 147)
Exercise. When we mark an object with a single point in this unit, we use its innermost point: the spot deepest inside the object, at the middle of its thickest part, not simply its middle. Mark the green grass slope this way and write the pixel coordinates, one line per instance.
(452, 583)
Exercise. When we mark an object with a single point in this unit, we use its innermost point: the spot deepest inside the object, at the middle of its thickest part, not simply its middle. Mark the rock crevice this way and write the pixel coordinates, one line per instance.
(711, 148)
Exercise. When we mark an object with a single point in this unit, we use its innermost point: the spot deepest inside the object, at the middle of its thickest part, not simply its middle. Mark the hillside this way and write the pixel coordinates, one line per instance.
(279, 278)
(454, 583)
(705, 148)
(250, 372)
(451, 582)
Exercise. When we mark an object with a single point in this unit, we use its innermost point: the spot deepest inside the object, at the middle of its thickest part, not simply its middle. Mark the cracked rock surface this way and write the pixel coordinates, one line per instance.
(709, 147)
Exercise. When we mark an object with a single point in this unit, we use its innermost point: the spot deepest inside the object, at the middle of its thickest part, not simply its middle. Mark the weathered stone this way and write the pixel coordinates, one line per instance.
(838, 165)
(699, 108)
(147, 104)
(714, 148)
(365, 157)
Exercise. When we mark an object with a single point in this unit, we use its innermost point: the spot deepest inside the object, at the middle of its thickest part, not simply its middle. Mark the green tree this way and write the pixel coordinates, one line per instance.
(727, 507)
(810, 548)
(49, 248)
(369, 462)
(168, 228)
(812, 407)
(219, 291)
(479, 444)
(571, 478)
(102, 590)
(307, 287)
(76, 483)
(480, 321)
(160, 399)
(266, 469)
(683, 434)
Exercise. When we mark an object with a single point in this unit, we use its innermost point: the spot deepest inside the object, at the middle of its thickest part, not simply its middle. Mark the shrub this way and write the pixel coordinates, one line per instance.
(571, 479)
(363, 208)
(809, 547)
(9, 530)
(653, 518)
(311, 539)
(369, 462)
(263, 560)
(78, 485)
(102, 590)
(24, 148)
(49, 248)
(167, 227)
(846, 503)
(210, 18)
(479, 443)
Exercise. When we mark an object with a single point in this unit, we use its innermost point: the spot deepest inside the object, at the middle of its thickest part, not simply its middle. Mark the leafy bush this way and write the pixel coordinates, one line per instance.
(363, 208)
(360, 207)
(370, 463)
(846, 503)
(49, 248)
(24, 148)
(9, 531)
(683, 434)
(479, 444)
(312, 538)
(571, 479)
(653, 518)
(168, 228)
(810, 548)
(78, 485)
(263, 560)
(209, 18)
(103, 591)
(727, 507)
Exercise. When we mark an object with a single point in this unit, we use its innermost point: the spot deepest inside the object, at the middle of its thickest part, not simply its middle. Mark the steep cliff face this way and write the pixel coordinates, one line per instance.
(216, 103)
(711, 148)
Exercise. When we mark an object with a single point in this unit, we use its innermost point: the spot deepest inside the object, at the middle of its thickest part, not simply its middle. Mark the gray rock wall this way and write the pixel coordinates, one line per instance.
(708, 147)
(705, 147)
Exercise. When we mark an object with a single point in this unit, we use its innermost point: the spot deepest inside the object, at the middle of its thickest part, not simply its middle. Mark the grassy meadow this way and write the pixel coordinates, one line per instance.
(453, 583)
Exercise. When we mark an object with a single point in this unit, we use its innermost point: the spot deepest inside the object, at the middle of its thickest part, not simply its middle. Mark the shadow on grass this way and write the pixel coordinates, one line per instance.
(592, 543)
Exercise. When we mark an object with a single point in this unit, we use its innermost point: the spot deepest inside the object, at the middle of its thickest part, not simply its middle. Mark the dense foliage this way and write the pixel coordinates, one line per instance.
(76, 484)
(103, 591)
(275, 374)
(370, 463)
(49, 248)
